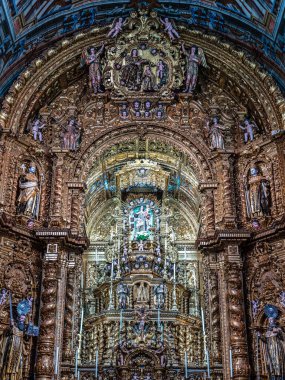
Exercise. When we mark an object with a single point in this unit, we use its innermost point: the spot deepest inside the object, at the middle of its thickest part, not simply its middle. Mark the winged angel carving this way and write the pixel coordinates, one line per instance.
(194, 58)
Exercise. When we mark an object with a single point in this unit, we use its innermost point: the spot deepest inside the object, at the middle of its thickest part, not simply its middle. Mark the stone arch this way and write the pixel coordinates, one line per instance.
(60, 64)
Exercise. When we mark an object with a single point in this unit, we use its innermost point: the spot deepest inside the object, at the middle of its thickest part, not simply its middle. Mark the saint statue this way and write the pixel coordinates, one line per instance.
(215, 131)
(123, 293)
(160, 295)
(91, 58)
(194, 58)
(273, 346)
(12, 351)
(71, 135)
(161, 73)
(148, 79)
(28, 202)
(258, 196)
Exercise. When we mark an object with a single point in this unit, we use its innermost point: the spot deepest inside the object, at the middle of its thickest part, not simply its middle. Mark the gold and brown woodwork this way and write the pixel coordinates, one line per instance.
(224, 252)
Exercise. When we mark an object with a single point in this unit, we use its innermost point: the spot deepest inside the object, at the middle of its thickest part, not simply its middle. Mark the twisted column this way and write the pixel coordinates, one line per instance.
(208, 212)
(68, 338)
(45, 358)
(215, 317)
(233, 314)
(57, 190)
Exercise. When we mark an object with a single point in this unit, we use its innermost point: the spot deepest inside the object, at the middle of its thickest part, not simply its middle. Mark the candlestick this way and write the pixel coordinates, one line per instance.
(208, 363)
(76, 363)
(111, 306)
(231, 364)
(96, 364)
(186, 365)
(56, 361)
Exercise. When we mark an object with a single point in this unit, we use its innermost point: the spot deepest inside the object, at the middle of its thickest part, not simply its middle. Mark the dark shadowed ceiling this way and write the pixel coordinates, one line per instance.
(29, 26)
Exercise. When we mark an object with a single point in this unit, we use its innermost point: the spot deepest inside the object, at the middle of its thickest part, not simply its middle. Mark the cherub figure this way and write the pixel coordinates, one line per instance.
(194, 58)
(36, 127)
(248, 128)
(116, 27)
(169, 28)
(141, 246)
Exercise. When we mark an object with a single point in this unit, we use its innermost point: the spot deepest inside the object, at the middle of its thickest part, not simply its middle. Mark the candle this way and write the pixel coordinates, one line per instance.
(231, 363)
(158, 317)
(11, 310)
(56, 361)
(96, 364)
(112, 269)
(203, 322)
(186, 365)
(121, 319)
(81, 321)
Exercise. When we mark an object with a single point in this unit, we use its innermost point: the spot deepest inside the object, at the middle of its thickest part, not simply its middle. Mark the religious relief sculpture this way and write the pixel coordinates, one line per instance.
(194, 58)
(71, 135)
(257, 194)
(92, 59)
(273, 347)
(141, 292)
(215, 130)
(28, 202)
(142, 222)
(132, 71)
(248, 127)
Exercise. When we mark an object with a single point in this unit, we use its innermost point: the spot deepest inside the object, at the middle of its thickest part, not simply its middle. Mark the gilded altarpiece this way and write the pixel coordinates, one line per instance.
(142, 210)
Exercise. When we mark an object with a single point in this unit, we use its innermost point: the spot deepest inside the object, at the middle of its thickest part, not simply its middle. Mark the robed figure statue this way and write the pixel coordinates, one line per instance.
(28, 202)
(273, 347)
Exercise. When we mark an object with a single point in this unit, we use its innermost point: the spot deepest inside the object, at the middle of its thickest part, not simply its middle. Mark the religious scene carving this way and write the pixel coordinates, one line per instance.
(142, 207)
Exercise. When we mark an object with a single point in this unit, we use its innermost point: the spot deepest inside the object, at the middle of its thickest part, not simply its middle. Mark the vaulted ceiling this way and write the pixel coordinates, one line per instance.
(27, 27)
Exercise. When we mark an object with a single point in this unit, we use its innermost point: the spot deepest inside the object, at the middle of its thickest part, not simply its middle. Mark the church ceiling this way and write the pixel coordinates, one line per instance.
(28, 26)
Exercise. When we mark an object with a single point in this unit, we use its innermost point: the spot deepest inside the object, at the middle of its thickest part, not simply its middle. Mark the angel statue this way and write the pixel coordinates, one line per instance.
(116, 27)
(169, 28)
(194, 58)
(273, 346)
(91, 58)
(248, 128)
(36, 126)
(28, 202)
(215, 131)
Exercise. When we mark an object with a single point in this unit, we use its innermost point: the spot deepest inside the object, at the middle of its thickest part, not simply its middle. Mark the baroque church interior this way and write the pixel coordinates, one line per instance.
(142, 190)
